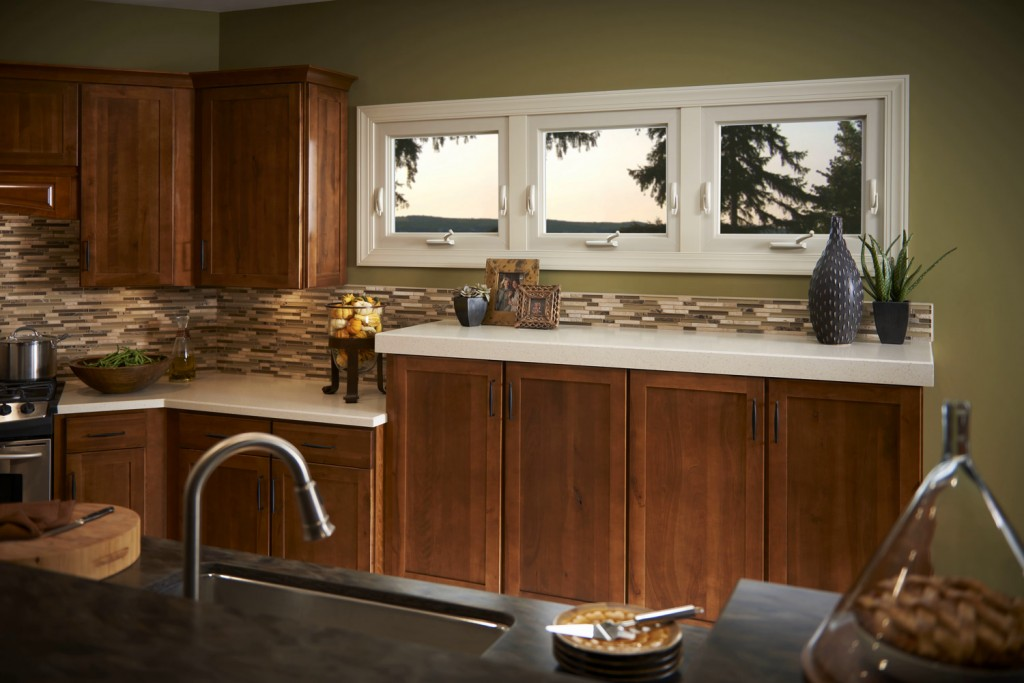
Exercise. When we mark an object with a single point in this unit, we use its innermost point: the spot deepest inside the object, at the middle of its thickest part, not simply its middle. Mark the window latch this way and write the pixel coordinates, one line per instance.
(448, 239)
(800, 243)
(503, 200)
(675, 199)
(873, 192)
(531, 200)
(611, 240)
(378, 202)
(705, 197)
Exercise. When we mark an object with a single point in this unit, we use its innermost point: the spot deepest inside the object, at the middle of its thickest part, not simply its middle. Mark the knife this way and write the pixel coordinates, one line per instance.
(610, 630)
(91, 517)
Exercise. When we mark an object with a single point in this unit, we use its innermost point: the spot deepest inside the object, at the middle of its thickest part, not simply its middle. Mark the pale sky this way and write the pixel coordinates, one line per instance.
(461, 180)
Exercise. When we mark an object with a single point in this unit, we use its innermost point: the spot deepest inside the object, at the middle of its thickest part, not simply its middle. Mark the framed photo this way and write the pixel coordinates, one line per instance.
(538, 307)
(504, 278)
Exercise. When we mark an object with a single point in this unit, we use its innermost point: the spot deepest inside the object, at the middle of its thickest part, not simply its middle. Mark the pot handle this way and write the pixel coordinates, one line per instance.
(14, 335)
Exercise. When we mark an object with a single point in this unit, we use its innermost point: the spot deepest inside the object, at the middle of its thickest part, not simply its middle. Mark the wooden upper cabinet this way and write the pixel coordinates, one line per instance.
(843, 462)
(442, 509)
(38, 146)
(696, 488)
(273, 154)
(565, 483)
(38, 122)
(136, 185)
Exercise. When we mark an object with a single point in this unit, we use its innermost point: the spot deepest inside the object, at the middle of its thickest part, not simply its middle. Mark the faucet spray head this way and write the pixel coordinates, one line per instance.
(315, 523)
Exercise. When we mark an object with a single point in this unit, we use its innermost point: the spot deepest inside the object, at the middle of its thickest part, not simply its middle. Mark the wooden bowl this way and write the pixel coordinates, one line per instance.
(120, 380)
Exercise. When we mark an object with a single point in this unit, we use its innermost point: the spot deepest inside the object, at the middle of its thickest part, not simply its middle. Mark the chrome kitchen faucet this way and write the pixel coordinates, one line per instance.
(315, 524)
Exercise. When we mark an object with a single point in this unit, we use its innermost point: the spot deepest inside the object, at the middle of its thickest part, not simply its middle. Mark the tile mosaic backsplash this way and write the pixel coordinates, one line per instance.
(282, 332)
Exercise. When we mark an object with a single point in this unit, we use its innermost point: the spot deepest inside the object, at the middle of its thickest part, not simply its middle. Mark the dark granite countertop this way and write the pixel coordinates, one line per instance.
(58, 628)
(760, 634)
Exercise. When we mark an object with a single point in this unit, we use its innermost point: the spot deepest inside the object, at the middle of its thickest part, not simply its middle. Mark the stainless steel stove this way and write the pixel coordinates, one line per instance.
(26, 439)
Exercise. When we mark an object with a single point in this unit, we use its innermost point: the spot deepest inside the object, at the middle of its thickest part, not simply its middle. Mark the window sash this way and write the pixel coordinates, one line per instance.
(873, 168)
(537, 128)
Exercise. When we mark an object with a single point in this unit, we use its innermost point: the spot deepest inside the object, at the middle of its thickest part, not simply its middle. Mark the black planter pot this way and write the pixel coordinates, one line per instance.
(891, 319)
(469, 310)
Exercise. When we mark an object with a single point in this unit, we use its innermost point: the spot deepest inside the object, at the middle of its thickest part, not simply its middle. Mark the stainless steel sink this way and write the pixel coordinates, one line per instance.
(441, 625)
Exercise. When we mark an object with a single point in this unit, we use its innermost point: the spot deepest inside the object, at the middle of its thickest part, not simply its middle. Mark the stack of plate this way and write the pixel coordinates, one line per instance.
(654, 657)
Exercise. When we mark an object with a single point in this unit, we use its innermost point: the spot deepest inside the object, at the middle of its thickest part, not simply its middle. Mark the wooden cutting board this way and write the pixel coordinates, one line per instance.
(95, 550)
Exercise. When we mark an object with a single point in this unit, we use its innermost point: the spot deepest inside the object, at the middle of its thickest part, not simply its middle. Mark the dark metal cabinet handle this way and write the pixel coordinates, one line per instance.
(273, 495)
(104, 435)
(490, 399)
(85, 255)
(510, 401)
(324, 447)
(753, 420)
(259, 493)
(217, 436)
(776, 422)
(202, 254)
(74, 486)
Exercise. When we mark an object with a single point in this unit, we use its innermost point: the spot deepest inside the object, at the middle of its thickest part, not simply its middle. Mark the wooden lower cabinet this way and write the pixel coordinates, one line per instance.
(843, 462)
(723, 478)
(696, 488)
(565, 482)
(443, 471)
(115, 458)
(248, 503)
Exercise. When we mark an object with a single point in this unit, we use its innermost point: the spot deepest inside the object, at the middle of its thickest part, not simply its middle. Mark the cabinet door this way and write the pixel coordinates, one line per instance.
(565, 483)
(696, 488)
(346, 495)
(843, 462)
(443, 471)
(250, 186)
(129, 211)
(235, 504)
(115, 477)
(38, 122)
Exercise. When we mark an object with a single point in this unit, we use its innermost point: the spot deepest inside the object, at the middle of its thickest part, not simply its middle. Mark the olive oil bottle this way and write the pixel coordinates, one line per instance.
(183, 355)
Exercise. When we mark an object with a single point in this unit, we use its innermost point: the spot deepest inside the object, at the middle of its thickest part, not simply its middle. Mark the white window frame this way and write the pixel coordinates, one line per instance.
(695, 247)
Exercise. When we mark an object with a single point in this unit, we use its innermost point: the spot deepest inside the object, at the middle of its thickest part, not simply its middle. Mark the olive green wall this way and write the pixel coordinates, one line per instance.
(107, 35)
(964, 59)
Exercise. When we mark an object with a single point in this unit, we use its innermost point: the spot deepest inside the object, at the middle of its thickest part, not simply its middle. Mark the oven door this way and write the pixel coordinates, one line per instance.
(26, 471)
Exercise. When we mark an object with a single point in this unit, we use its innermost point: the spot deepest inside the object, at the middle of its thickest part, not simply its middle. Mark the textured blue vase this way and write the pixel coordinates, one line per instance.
(835, 297)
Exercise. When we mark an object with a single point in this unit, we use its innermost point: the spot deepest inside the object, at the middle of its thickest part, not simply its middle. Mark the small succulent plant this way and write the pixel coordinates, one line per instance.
(477, 291)
(892, 277)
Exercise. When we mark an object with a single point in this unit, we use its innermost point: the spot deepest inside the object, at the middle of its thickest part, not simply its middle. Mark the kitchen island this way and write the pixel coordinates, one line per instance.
(133, 627)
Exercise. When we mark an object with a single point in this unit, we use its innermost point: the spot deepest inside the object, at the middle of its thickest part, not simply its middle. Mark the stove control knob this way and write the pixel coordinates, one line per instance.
(5, 409)
(28, 408)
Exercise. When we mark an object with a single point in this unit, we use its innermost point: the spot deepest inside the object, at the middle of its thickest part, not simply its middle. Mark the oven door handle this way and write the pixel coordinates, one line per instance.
(13, 454)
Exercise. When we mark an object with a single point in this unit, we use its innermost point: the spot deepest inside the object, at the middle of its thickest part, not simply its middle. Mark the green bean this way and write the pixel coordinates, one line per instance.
(123, 357)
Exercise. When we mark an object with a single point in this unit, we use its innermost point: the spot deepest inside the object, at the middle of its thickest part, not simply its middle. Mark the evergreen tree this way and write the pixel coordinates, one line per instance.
(841, 194)
(652, 174)
(755, 199)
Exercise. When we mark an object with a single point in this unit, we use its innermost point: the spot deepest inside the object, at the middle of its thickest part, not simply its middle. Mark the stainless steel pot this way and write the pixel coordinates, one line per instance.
(28, 357)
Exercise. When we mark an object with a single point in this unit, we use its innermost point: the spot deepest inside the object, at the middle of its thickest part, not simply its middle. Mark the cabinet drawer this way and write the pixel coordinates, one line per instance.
(201, 431)
(329, 445)
(106, 432)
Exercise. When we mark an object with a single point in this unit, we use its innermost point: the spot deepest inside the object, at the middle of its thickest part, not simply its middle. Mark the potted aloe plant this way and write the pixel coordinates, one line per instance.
(889, 282)
(471, 304)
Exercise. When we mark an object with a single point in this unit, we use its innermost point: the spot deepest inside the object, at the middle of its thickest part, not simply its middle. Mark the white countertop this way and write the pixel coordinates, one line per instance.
(253, 395)
(761, 355)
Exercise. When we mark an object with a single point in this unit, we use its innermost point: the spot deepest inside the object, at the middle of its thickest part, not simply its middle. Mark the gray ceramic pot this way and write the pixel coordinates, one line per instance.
(469, 310)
